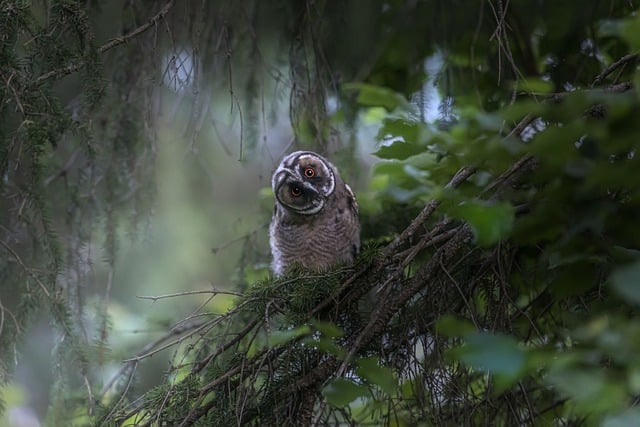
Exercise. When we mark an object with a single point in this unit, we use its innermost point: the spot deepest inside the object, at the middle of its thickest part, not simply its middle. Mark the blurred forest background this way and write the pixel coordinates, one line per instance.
(491, 145)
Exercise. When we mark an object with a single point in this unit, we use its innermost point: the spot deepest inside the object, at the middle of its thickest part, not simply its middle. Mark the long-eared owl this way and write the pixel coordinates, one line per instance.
(315, 221)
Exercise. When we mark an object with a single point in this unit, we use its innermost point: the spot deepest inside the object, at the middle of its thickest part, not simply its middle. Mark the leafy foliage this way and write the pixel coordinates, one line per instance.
(501, 281)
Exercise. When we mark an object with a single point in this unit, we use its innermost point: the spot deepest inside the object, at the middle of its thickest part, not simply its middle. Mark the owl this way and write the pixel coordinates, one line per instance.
(315, 220)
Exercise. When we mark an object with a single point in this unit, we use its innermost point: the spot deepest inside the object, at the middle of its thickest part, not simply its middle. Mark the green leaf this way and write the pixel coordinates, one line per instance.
(626, 282)
(489, 223)
(419, 175)
(555, 145)
(515, 112)
(409, 130)
(628, 29)
(396, 173)
(497, 354)
(327, 345)
(340, 392)
(574, 278)
(407, 388)
(454, 326)
(281, 337)
(399, 150)
(534, 85)
(402, 195)
(376, 96)
(628, 418)
(328, 329)
(372, 371)
(591, 391)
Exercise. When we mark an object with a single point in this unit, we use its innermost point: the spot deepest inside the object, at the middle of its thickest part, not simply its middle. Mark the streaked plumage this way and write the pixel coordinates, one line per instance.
(315, 221)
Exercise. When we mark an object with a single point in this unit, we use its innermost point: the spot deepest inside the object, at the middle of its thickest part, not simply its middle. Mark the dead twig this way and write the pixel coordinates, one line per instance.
(622, 62)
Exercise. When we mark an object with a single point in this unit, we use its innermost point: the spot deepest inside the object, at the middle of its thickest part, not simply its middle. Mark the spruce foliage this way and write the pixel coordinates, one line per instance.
(500, 280)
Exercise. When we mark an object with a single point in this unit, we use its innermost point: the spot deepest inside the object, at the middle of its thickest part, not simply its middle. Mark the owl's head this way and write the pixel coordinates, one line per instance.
(303, 181)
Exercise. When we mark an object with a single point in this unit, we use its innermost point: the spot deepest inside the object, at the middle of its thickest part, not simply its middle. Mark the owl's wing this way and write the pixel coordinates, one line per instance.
(352, 202)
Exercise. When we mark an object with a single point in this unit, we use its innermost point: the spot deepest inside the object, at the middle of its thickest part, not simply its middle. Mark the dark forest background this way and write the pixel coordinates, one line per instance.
(492, 146)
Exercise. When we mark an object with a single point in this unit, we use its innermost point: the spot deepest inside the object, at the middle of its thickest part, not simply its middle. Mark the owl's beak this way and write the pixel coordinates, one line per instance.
(288, 178)
(310, 189)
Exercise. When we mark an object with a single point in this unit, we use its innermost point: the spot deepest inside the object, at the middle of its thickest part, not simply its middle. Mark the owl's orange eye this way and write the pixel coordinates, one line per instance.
(296, 191)
(309, 172)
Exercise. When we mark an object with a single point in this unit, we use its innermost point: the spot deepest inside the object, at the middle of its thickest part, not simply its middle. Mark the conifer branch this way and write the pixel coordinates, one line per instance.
(26, 269)
(117, 41)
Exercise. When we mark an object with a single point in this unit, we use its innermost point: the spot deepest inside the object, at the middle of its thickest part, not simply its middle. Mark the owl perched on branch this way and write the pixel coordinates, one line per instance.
(315, 221)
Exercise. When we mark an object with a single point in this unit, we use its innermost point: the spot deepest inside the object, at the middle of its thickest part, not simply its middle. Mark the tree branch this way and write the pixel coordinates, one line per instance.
(611, 68)
(73, 67)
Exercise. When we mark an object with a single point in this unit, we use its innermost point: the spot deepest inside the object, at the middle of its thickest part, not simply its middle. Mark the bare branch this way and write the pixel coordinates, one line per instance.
(213, 292)
(611, 68)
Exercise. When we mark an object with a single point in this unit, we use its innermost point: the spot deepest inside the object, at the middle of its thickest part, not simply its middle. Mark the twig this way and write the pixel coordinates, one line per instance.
(611, 68)
(146, 351)
(123, 394)
(155, 347)
(427, 211)
(257, 360)
(65, 169)
(73, 67)
(15, 321)
(25, 268)
(508, 175)
(180, 294)
(522, 125)
(225, 346)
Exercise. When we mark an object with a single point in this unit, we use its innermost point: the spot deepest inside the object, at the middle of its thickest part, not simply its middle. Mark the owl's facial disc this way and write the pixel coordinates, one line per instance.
(313, 169)
(303, 181)
(299, 197)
